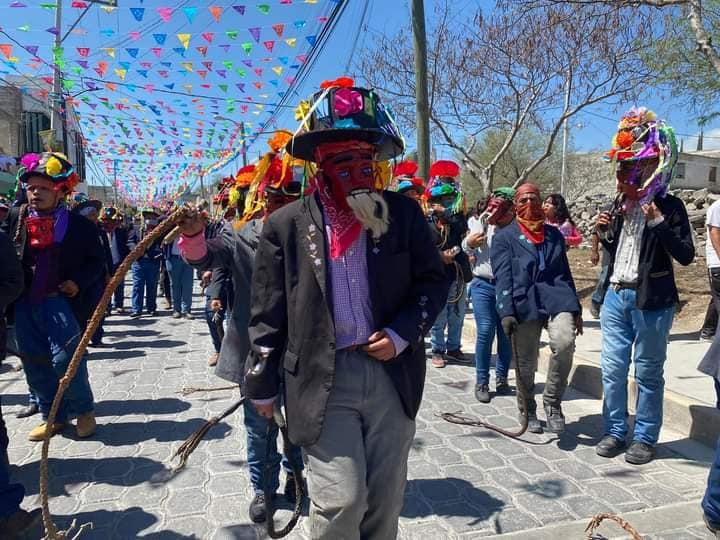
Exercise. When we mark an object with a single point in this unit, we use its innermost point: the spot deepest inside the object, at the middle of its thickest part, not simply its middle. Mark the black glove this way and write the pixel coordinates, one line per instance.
(509, 325)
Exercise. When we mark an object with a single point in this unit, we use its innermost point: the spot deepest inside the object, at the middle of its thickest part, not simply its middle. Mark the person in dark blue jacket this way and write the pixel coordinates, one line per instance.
(146, 270)
(117, 236)
(535, 289)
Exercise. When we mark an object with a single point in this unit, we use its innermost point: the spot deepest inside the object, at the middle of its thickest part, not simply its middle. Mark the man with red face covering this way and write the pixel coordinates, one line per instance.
(346, 284)
(534, 288)
(646, 231)
(497, 214)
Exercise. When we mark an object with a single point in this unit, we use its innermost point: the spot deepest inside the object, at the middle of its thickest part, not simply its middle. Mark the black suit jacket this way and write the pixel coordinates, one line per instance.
(292, 317)
(671, 239)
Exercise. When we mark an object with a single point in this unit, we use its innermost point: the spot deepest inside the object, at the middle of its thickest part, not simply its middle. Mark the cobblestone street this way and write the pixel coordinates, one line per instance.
(463, 482)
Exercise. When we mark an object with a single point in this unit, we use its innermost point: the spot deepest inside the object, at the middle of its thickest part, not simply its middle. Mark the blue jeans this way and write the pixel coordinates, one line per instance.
(257, 439)
(145, 275)
(181, 283)
(626, 331)
(48, 334)
(11, 495)
(711, 500)
(452, 316)
(487, 322)
(212, 327)
(598, 294)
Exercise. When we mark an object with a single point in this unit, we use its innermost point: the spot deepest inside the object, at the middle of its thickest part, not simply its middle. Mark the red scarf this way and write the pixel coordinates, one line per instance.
(530, 215)
(344, 226)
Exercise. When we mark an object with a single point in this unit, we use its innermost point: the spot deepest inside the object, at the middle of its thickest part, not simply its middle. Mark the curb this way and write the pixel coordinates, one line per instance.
(691, 418)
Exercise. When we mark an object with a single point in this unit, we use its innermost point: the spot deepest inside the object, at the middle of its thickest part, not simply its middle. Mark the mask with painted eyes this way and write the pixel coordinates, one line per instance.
(347, 173)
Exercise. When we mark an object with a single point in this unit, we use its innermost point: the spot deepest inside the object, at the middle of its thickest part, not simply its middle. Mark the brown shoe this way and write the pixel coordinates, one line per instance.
(213, 360)
(86, 425)
(21, 524)
(38, 433)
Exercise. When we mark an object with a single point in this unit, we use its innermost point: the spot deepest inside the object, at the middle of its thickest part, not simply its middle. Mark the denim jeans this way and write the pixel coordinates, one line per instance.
(145, 275)
(711, 315)
(257, 440)
(452, 316)
(487, 322)
(641, 334)
(212, 326)
(711, 500)
(11, 495)
(598, 295)
(48, 335)
(181, 283)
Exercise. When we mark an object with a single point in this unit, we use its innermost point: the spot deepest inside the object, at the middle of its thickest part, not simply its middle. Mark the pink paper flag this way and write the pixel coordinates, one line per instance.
(269, 45)
(208, 36)
(279, 29)
(165, 13)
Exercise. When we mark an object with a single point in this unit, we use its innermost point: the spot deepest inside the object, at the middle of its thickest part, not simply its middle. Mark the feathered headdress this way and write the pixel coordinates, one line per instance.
(50, 165)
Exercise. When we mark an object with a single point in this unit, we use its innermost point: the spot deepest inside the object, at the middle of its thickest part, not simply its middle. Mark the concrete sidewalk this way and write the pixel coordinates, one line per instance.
(689, 404)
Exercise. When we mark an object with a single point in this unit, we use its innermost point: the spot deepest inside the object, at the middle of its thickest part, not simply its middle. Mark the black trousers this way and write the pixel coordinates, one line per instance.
(711, 315)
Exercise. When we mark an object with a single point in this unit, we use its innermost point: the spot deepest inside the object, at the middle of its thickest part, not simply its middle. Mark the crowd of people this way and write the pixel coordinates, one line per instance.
(324, 270)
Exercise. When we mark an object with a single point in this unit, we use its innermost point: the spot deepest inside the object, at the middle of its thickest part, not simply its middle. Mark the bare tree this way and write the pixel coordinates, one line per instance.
(508, 70)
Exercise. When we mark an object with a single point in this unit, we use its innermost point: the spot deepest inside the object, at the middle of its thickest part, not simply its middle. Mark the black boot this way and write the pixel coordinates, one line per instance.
(30, 410)
(257, 509)
(555, 419)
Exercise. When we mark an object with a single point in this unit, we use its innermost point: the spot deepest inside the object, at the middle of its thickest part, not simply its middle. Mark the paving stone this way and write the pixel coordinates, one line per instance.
(583, 506)
(486, 459)
(187, 501)
(529, 465)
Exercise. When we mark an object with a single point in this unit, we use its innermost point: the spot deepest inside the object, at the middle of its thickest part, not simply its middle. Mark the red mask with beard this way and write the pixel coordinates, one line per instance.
(346, 183)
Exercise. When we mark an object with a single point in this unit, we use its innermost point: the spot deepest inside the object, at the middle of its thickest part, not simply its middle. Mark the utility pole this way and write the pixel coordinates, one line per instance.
(115, 192)
(56, 120)
(422, 102)
(243, 143)
(563, 165)
(202, 187)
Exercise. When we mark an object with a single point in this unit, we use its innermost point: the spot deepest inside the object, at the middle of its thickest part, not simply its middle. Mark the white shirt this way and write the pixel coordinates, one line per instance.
(712, 219)
(627, 257)
(482, 267)
(114, 248)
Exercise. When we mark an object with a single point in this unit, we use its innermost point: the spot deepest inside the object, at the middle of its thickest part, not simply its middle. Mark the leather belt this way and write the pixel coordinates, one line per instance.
(617, 287)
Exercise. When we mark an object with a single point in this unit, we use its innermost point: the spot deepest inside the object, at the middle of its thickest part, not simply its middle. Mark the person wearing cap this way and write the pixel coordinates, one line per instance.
(273, 184)
(62, 259)
(117, 238)
(497, 214)
(647, 229)
(346, 284)
(534, 288)
(145, 270)
(445, 202)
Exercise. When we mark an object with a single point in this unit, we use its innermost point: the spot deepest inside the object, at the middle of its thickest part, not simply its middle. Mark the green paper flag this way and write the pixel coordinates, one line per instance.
(232, 34)
(247, 47)
(263, 8)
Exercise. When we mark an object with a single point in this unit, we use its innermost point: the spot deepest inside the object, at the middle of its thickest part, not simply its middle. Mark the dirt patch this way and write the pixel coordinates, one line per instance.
(692, 284)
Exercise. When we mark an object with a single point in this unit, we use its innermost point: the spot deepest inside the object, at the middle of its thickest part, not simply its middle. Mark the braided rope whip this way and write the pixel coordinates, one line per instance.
(51, 531)
(523, 400)
(599, 518)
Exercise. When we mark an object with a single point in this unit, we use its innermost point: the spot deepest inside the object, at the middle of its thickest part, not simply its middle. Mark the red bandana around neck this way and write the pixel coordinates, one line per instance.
(530, 215)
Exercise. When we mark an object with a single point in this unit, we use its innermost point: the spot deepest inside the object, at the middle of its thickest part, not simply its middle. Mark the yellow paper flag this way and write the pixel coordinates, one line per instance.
(188, 66)
(110, 51)
(278, 70)
(121, 73)
(291, 41)
(184, 40)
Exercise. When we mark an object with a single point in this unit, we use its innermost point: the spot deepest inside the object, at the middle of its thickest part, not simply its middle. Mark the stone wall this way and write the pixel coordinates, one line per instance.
(586, 209)
(10, 116)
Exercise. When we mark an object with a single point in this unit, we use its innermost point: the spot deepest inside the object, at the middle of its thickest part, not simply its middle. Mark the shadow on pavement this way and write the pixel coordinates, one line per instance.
(135, 333)
(239, 532)
(115, 355)
(154, 344)
(119, 524)
(118, 471)
(131, 433)
(117, 407)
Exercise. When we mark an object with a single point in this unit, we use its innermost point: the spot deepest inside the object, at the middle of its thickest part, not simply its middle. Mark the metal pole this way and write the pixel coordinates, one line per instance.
(421, 87)
(55, 120)
(202, 188)
(244, 144)
(563, 166)
(115, 193)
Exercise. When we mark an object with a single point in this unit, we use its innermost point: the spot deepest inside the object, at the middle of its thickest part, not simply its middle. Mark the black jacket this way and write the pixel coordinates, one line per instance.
(292, 315)
(11, 274)
(152, 253)
(81, 260)
(671, 239)
(121, 243)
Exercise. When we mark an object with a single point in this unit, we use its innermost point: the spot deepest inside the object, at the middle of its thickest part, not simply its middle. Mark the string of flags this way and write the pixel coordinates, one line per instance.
(160, 91)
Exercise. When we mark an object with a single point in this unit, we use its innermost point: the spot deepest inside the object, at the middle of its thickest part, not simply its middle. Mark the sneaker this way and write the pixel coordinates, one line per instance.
(188, 316)
(714, 528)
(438, 360)
(610, 446)
(38, 433)
(706, 337)
(213, 360)
(502, 388)
(176, 315)
(555, 419)
(28, 411)
(290, 488)
(86, 425)
(135, 315)
(482, 393)
(639, 453)
(459, 356)
(595, 310)
(21, 524)
(257, 509)
(534, 425)
(120, 310)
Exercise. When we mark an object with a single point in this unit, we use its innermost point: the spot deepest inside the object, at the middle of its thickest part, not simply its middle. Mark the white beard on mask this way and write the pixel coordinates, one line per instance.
(371, 210)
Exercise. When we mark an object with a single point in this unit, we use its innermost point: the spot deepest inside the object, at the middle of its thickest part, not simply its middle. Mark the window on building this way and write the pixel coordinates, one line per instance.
(680, 170)
(712, 175)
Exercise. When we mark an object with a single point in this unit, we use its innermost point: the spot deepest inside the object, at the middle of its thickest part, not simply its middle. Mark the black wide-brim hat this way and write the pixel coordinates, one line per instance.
(344, 113)
(90, 203)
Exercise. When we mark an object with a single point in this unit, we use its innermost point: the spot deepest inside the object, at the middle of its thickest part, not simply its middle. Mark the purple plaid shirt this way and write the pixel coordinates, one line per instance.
(352, 310)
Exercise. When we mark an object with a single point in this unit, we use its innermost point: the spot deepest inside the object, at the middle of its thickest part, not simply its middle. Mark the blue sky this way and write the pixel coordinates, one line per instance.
(156, 126)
